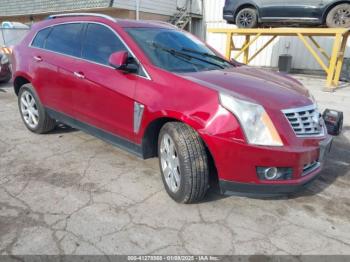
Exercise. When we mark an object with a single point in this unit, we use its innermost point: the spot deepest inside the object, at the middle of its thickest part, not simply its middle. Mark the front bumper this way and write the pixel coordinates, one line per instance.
(264, 189)
(236, 164)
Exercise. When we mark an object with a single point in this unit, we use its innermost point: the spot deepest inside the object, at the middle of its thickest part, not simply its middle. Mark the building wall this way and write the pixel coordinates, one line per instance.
(10, 8)
(27, 7)
(302, 59)
(165, 7)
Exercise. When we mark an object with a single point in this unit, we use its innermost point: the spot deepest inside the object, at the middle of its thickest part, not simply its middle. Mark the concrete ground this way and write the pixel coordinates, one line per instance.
(69, 193)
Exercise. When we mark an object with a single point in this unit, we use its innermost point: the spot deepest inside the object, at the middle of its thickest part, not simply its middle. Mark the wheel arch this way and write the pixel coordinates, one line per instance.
(246, 5)
(150, 140)
(19, 81)
(331, 6)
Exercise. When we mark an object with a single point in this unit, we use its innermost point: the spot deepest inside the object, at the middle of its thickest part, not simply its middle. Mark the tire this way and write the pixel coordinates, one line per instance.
(192, 163)
(247, 18)
(339, 16)
(44, 123)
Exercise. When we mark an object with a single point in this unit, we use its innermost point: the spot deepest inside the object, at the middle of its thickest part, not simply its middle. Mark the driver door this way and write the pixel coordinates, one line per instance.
(105, 96)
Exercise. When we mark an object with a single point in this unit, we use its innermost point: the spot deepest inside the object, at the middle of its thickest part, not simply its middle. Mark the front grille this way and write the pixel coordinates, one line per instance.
(308, 168)
(305, 121)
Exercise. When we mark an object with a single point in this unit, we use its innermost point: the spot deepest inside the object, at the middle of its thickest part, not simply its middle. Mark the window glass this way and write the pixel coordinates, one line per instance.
(176, 51)
(65, 39)
(40, 37)
(99, 43)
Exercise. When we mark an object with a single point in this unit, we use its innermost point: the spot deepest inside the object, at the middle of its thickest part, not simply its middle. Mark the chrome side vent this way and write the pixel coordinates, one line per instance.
(308, 168)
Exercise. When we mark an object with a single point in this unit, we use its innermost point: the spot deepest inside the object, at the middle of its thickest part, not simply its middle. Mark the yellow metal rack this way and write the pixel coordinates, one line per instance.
(331, 64)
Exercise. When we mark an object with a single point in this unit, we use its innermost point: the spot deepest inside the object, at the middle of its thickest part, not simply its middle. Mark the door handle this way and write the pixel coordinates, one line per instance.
(37, 58)
(79, 75)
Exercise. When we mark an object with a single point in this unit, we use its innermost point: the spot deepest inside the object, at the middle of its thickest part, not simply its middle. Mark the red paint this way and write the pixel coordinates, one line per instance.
(105, 99)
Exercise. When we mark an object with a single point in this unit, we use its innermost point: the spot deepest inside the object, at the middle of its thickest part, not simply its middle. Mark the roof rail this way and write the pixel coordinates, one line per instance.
(81, 14)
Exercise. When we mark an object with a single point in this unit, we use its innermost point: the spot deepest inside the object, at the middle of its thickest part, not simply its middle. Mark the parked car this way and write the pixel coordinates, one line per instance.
(5, 68)
(155, 90)
(252, 13)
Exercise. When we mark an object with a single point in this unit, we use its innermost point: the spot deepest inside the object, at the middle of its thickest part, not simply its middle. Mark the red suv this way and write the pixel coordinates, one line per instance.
(154, 90)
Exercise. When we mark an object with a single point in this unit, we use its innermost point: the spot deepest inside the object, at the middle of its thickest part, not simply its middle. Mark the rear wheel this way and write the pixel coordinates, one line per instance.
(247, 18)
(183, 163)
(339, 16)
(32, 111)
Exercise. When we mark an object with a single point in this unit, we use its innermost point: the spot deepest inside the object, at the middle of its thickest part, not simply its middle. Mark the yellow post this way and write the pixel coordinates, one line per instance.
(229, 45)
(262, 48)
(245, 48)
(313, 52)
(340, 61)
(322, 50)
(333, 62)
(246, 51)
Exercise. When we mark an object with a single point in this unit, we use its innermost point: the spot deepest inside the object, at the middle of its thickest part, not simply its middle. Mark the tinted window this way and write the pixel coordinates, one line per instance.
(40, 37)
(175, 50)
(65, 39)
(99, 43)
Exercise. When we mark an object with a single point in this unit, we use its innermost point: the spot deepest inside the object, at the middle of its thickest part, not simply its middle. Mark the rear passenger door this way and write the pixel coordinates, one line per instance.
(272, 9)
(61, 50)
(310, 9)
(105, 96)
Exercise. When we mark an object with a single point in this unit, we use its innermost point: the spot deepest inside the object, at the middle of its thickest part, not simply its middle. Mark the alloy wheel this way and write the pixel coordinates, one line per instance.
(29, 110)
(245, 19)
(342, 17)
(170, 163)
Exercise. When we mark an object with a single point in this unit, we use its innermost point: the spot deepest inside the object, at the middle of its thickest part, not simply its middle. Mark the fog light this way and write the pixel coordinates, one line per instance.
(271, 173)
(274, 173)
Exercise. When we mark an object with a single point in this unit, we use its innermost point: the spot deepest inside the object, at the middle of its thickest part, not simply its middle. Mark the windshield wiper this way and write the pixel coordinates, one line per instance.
(218, 58)
(178, 53)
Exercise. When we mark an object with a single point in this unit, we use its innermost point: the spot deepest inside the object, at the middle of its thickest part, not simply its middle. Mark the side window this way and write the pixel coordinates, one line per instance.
(40, 37)
(65, 39)
(99, 43)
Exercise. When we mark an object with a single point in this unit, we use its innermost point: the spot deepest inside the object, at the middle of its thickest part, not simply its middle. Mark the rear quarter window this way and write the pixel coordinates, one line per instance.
(39, 39)
(65, 39)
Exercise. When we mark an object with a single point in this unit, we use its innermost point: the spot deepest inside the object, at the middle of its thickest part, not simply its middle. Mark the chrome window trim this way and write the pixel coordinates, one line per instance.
(301, 109)
(147, 76)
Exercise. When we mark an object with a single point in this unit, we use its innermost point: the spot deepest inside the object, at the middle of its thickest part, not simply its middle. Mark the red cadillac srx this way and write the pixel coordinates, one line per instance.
(154, 90)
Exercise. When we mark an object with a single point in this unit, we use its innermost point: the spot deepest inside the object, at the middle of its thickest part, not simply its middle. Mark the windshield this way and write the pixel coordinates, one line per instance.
(176, 51)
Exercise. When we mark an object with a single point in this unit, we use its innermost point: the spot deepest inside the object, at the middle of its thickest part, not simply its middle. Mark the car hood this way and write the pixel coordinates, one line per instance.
(270, 89)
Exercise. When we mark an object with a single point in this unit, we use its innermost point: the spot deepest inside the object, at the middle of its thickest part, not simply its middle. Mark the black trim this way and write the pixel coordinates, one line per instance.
(262, 189)
(104, 135)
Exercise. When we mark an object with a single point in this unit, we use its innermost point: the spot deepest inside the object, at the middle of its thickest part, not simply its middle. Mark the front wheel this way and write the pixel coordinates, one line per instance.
(339, 16)
(183, 163)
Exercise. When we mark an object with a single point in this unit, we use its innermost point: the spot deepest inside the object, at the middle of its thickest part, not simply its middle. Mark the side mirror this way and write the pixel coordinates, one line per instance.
(119, 60)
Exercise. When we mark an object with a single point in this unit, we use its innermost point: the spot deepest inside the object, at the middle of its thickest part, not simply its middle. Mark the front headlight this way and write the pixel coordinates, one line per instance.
(256, 123)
